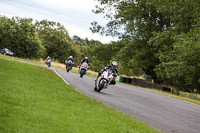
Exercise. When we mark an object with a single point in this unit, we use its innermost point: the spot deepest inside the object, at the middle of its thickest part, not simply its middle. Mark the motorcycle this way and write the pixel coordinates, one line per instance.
(104, 80)
(83, 68)
(48, 62)
(69, 64)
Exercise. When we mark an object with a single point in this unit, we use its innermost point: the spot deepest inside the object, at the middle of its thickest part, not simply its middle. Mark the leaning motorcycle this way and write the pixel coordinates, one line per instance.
(83, 68)
(69, 64)
(104, 80)
(48, 62)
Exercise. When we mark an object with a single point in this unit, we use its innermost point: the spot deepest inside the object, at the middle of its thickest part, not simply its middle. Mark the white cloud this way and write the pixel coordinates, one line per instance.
(83, 34)
(78, 5)
(75, 15)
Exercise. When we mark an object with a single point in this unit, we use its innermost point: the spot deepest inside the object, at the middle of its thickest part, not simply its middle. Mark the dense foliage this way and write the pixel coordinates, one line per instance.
(161, 38)
(37, 40)
(21, 36)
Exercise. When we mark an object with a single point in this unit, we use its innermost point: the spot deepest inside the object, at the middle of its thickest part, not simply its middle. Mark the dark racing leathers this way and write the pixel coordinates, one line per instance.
(71, 60)
(115, 71)
(84, 60)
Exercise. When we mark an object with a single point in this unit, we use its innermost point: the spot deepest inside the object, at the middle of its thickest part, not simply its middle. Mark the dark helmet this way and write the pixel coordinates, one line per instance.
(114, 64)
(86, 58)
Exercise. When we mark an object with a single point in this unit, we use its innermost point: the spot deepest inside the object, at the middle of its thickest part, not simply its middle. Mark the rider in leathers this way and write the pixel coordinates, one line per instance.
(70, 58)
(113, 67)
(84, 60)
(48, 61)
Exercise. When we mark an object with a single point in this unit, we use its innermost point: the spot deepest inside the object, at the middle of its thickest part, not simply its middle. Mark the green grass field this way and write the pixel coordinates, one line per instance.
(33, 99)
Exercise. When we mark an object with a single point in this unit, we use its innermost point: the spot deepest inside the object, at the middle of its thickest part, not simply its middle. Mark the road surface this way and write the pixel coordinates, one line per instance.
(169, 115)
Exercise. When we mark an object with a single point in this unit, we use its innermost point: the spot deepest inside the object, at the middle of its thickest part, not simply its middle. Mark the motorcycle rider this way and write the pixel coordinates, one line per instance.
(85, 60)
(70, 58)
(48, 61)
(113, 67)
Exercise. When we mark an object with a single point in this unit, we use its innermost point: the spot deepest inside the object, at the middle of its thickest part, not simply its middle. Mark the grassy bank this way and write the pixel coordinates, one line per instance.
(34, 99)
(53, 64)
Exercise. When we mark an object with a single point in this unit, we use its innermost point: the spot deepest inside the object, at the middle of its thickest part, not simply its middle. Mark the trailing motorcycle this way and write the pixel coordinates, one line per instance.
(104, 80)
(48, 62)
(69, 65)
(83, 68)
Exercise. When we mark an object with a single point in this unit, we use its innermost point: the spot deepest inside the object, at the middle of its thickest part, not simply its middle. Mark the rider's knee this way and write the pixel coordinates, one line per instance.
(113, 82)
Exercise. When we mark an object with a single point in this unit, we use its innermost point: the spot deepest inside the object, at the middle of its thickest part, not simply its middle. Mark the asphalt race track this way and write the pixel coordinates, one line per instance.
(161, 112)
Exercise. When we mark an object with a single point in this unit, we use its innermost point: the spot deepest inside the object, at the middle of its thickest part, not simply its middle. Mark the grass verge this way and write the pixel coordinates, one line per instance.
(34, 99)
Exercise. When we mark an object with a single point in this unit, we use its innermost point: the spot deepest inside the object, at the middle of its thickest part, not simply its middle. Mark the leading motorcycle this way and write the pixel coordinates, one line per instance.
(104, 80)
(83, 68)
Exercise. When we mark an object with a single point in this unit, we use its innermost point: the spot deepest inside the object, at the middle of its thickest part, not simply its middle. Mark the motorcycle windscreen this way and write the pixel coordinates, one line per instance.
(85, 65)
(109, 72)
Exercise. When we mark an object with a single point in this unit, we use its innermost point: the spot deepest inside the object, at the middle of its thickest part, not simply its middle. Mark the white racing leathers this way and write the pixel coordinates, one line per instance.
(104, 80)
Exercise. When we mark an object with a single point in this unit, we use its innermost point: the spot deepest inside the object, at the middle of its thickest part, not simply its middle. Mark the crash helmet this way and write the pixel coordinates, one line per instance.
(48, 57)
(114, 64)
(86, 58)
(71, 57)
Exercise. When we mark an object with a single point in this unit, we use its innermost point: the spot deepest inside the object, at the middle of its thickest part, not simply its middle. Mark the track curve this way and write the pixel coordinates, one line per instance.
(161, 112)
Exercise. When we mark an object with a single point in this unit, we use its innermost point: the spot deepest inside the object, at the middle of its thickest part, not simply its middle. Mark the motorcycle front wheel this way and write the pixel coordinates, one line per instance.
(101, 85)
(68, 68)
(82, 72)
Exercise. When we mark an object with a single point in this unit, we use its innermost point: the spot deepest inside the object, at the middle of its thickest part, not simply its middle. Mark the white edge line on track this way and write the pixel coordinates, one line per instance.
(60, 76)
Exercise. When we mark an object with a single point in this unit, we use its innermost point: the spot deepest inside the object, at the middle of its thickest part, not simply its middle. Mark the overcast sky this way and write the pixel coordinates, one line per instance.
(75, 15)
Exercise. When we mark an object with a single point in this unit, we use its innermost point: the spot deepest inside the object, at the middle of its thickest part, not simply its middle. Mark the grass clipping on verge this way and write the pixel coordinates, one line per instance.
(34, 99)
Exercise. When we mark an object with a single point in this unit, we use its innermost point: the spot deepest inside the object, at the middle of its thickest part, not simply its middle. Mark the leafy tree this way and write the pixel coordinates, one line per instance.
(177, 46)
(20, 36)
(79, 41)
(133, 21)
(6, 32)
(56, 41)
(155, 35)
(180, 67)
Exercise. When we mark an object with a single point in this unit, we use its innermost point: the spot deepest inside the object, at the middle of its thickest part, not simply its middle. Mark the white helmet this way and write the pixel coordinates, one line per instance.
(114, 64)
(71, 57)
(86, 58)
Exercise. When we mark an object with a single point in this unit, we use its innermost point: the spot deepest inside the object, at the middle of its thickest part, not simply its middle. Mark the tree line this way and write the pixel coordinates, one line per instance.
(157, 38)
(29, 39)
